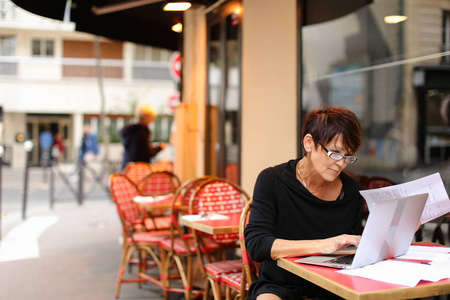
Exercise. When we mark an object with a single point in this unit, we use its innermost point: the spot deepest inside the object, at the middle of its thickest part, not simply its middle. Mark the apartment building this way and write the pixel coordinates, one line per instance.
(52, 77)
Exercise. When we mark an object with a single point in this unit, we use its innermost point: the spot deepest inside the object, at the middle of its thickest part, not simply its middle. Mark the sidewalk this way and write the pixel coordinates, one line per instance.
(77, 256)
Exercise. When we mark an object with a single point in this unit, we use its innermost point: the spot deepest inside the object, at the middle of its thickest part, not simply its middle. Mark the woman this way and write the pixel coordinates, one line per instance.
(306, 205)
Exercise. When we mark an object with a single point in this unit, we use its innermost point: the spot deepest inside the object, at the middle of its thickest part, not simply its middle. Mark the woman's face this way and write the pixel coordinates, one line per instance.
(329, 168)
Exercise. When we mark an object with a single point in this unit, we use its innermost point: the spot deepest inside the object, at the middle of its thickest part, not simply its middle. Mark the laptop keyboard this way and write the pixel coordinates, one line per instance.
(346, 259)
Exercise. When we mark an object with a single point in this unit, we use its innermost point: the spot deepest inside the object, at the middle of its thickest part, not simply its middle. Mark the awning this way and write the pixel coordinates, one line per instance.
(144, 21)
(138, 21)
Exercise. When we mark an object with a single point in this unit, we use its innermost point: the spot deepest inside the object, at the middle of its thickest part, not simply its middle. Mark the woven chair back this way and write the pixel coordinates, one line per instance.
(158, 183)
(135, 171)
(163, 165)
(250, 268)
(123, 191)
(219, 196)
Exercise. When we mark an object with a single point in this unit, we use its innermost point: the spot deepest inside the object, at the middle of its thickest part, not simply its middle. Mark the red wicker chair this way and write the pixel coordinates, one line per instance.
(181, 248)
(239, 283)
(135, 238)
(135, 171)
(222, 197)
(158, 183)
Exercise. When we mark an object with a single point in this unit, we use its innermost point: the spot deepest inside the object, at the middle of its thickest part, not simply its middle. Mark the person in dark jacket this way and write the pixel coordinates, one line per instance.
(136, 137)
(88, 143)
(306, 205)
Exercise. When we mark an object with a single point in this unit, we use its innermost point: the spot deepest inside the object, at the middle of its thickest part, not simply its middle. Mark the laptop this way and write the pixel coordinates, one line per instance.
(388, 233)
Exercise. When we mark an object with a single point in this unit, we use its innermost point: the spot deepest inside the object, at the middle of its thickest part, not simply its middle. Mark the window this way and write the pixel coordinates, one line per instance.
(146, 53)
(43, 47)
(446, 36)
(7, 46)
(366, 64)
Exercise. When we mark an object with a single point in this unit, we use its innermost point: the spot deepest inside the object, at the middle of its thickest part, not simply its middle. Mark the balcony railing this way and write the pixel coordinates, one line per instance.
(61, 68)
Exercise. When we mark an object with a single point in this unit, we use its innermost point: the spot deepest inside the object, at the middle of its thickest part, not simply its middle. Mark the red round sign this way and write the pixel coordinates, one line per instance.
(174, 100)
(175, 66)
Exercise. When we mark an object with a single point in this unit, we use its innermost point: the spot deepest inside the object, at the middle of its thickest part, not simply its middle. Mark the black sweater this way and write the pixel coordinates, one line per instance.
(136, 141)
(283, 208)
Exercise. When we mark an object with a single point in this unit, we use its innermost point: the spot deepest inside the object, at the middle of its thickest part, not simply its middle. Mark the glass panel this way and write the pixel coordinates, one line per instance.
(214, 89)
(232, 99)
(156, 54)
(7, 46)
(36, 47)
(49, 48)
(223, 97)
(139, 52)
(446, 35)
(214, 65)
(29, 135)
(393, 76)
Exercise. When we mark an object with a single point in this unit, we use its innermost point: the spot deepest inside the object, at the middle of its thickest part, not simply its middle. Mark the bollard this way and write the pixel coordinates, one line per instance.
(52, 182)
(80, 181)
(28, 145)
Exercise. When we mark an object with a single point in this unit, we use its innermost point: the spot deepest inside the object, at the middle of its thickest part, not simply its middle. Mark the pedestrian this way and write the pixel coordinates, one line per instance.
(89, 143)
(45, 142)
(58, 148)
(136, 137)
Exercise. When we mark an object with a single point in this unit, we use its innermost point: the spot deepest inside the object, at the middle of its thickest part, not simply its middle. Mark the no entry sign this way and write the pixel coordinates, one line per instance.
(173, 101)
(175, 66)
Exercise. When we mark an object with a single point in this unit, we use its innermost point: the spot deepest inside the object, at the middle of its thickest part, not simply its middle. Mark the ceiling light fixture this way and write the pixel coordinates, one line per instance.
(394, 19)
(177, 27)
(177, 6)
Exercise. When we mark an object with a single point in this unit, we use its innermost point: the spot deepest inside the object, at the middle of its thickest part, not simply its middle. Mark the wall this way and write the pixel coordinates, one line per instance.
(269, 66)
(14, 124)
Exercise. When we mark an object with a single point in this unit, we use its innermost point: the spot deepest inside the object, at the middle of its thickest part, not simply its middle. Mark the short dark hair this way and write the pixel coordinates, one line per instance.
(328, 122)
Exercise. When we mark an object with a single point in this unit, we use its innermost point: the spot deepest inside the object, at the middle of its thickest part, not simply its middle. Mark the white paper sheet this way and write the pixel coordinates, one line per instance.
(205, 217)
(424, 252)
(438, 202)
(399, 272)
(150, 199)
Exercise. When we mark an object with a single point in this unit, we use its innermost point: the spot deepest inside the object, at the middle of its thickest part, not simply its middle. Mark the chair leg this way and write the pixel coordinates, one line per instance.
(216, 289)
(166, 271)
(189, 283)
(206, 290)
(227, 293)
(438, 235)
(126, 256)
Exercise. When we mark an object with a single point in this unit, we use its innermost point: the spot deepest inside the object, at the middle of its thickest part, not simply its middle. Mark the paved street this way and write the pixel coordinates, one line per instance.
(70, 252)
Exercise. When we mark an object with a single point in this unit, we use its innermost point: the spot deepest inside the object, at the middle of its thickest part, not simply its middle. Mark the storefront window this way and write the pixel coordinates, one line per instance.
(394, 76)
(223, 98)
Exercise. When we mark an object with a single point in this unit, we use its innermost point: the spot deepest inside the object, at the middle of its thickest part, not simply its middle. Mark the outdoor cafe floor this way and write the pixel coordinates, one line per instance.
(72, 251)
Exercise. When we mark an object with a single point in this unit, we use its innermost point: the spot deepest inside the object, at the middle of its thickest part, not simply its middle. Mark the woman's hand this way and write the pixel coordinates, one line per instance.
(287, 248)
(339, 242)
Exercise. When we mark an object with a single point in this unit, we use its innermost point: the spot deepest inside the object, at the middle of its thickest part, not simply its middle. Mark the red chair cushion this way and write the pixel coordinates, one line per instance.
(220, 268)
(161, 223)
(151, 237)
(179, 245)
(234, 280)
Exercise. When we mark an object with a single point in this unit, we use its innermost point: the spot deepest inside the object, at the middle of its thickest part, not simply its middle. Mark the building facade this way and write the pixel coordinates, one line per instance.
(52, 77)
(252, 69)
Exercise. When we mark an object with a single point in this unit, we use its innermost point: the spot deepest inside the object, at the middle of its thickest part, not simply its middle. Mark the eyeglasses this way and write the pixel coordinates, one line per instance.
(337, 156)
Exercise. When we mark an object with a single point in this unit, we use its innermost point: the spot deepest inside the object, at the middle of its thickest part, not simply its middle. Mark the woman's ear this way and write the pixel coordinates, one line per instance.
(308, 142)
